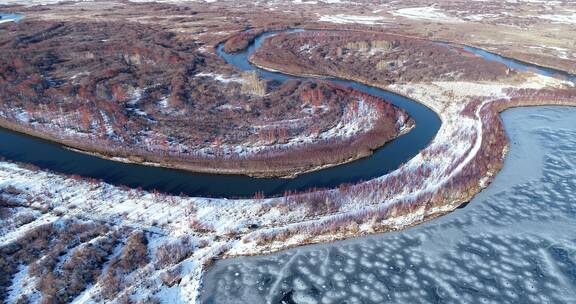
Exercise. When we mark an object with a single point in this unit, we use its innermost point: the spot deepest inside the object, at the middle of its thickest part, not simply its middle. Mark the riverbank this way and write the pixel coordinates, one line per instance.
(462, 159)
(477, 145)
(222, 226)
(368, 124)
(148, 246)
(233, 123)
(285, 165)
(521, 219)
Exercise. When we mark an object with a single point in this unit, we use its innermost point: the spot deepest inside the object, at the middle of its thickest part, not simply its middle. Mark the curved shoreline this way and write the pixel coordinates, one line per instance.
(554, 71)
(346, 78)
(396, 200)
(284, 164)
(144, 161)
(335, 226)
(558, 70)
(520, 158)
(362, 153)
(400, 221)
(388, 157)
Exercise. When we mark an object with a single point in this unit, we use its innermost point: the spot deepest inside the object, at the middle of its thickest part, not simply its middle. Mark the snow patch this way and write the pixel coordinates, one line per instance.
(425, 13)
(38, 2)
(560, 18)
(6, 20)
(347, 19)
(220, 77)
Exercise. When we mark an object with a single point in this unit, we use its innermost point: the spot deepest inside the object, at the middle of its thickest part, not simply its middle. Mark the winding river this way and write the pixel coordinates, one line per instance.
(52, 156)
(514, 243)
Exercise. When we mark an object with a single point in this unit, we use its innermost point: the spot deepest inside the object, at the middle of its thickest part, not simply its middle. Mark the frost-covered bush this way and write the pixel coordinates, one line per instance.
(171, 253)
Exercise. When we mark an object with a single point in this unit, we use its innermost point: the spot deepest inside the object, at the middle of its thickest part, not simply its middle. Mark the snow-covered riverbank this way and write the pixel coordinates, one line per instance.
(461, 160)
(221, 227)
(511, 244)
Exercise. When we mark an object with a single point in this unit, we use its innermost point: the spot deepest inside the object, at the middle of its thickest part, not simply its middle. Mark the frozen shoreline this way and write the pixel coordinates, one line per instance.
(518, 211)
(446, 170)
(229, 228)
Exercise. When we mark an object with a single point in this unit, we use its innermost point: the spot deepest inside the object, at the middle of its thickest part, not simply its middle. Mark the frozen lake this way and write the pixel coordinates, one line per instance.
(514, 243)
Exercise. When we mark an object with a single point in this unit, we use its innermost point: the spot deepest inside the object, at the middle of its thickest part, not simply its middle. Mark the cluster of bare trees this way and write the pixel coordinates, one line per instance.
(253, 84)
(105, 94)
(133, 256)
(315, 96)
(42, 248)
(354, 55)
(460, 187)
(172, 253)
(367, 45)
(240, 41)
(65, 258)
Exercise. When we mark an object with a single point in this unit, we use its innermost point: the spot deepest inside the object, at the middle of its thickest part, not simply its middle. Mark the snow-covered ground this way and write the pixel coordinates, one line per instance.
(317, 2)
(511, 244)
(425, 13)
(220, 77)
(563, 53)
(48, 2)
(38, 2)
(234, 227)
(246, 227)
(352, 123)
(172, 1)
(6, 20)
(560, 18)
(347, 19)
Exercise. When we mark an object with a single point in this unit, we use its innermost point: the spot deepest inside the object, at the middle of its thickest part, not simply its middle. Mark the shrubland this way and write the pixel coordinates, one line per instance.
(147, 95)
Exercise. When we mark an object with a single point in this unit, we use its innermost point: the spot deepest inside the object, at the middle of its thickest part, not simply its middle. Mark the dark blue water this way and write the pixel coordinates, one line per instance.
(9, 16)
(23, 148)
(18, 147)
(521, 66)
(513, 244)
(514, 64)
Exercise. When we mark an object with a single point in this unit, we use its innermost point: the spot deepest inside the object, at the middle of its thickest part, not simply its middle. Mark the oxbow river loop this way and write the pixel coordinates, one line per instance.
(47, 155)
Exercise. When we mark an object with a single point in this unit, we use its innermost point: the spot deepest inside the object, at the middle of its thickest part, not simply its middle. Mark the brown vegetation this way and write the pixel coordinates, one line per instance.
(42, 249)
(172, 253)
(459, 189)
(134, 255)
(353, 55)
(240, 41)
(132, 91)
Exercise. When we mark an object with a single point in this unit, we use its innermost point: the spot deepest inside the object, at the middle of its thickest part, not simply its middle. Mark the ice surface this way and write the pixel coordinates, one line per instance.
(514, 243)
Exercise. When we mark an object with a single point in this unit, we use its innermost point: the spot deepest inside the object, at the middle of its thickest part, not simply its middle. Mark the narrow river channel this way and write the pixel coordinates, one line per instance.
(19, 147)
(47, 155)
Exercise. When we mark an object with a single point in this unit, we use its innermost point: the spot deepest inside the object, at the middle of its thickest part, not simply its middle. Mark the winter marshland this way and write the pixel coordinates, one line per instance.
(287, 151)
